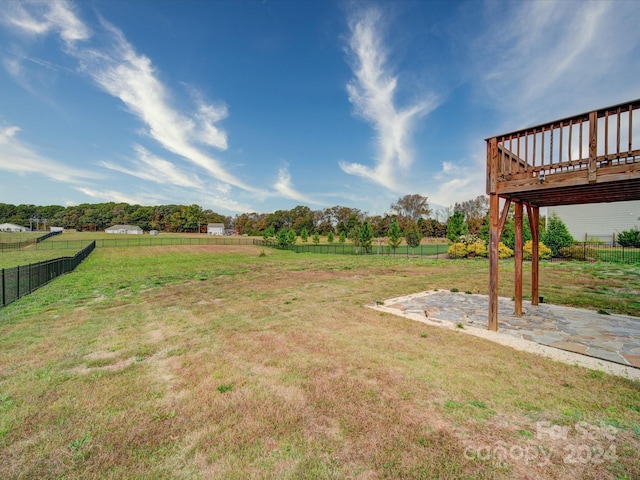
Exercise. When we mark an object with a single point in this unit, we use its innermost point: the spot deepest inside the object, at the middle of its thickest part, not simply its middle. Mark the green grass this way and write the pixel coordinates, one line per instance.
(214, 362)
(6, 237)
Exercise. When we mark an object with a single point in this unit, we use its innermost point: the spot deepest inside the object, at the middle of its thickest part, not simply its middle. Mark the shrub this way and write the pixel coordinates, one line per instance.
(458, 250)
(544, 252)
(579, 252)
(504, 251)
(478, 248)
(556, 236)
(629, 238)
(481, 249)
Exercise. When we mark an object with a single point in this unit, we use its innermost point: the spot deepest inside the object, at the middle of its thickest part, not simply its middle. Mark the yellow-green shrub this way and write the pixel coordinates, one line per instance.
(458, 250)
(579, 252)
(478, 248)
(504, 251)
(544, 252)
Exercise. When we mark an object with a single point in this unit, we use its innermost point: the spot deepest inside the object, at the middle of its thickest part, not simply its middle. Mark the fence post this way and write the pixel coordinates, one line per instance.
(3, 289)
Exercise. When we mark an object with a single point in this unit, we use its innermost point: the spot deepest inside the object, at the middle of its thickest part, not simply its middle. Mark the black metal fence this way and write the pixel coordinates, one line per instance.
(9, 246)
(429, 249)
(601, 252)
(19, 281)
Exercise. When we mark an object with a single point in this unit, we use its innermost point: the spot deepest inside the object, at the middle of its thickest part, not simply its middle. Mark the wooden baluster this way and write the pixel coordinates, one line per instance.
(618, 141)
(580, 140)
(593, 146)
(630, 133)
(606, 133)
(570, 135)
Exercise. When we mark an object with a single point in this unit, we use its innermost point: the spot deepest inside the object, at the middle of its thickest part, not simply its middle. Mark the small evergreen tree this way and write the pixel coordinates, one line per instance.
(330, 237)
(342, 238)
(413, 235)
(456, 226)
(269, 233)
(365, 236)
(556, 236)
(292, 237)
(316, 238)
(395, 235)
(629, 238)
(286, 237)
(304, 235)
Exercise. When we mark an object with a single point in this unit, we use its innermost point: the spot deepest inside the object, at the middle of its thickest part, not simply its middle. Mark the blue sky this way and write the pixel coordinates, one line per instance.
(246, 106)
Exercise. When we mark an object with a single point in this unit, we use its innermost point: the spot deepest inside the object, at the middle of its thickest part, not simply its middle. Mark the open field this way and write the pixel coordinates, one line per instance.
(6, 237)
(216, 362)
(28, 255)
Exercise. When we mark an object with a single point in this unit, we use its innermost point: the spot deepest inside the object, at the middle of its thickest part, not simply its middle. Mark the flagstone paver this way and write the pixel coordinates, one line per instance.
(612, 338)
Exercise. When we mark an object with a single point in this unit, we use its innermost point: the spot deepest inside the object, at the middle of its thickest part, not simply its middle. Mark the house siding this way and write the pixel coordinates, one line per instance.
(598, 220)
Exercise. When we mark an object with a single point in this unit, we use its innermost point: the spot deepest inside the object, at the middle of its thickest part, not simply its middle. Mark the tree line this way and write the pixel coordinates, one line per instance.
(412, 214)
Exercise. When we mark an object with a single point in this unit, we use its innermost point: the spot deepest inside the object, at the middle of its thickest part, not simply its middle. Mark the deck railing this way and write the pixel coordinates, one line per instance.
(600, 139)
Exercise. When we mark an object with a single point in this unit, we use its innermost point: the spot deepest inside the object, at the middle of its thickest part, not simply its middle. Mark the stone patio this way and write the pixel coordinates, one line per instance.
(608, 338)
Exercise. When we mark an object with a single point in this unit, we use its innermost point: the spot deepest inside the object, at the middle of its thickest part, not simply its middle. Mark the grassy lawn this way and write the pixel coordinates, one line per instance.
(6, 237)
(216, 362)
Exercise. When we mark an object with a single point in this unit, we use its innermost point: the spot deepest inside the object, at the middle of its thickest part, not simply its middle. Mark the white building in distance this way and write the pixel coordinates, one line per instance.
(10, 227)
(215, 229)
(124, 229)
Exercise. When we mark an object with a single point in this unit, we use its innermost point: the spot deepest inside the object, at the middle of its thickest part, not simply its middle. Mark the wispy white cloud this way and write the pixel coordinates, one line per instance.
(285, 187)
(372, 92)
(131, 77)
(148, 166)
(458, 181)
(41, 17)
(18, 157)
(120, 71)
(540, 60)
(116, 196)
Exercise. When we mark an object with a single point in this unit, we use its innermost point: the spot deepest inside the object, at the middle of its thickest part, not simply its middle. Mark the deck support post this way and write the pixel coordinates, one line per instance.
(518, 259)
(533, 213)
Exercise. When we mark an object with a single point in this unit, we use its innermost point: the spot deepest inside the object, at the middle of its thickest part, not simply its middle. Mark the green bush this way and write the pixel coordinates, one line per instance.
(556, 236)
(629, 238)
(579, 252)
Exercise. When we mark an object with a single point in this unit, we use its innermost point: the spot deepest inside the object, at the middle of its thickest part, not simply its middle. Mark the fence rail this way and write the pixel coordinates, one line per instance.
(430, 249)
(10, 246)
(19, 281)
(601, 252)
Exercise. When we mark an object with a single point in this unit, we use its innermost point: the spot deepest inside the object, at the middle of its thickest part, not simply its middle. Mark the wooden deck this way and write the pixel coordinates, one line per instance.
(593, 157)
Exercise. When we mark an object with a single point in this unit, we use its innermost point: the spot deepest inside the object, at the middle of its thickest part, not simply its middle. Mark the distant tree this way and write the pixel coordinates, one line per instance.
(411, 208)
(395, 235)
(380, 225)
(269, 233)
(302, 217)
(365, 237)
(330, 237)
(474, 211)
(342, 237)
(456, 226)
(322, 221)
(556, 235)
(316, 238)
(304, 235)
(413, 235)
(286, 237)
